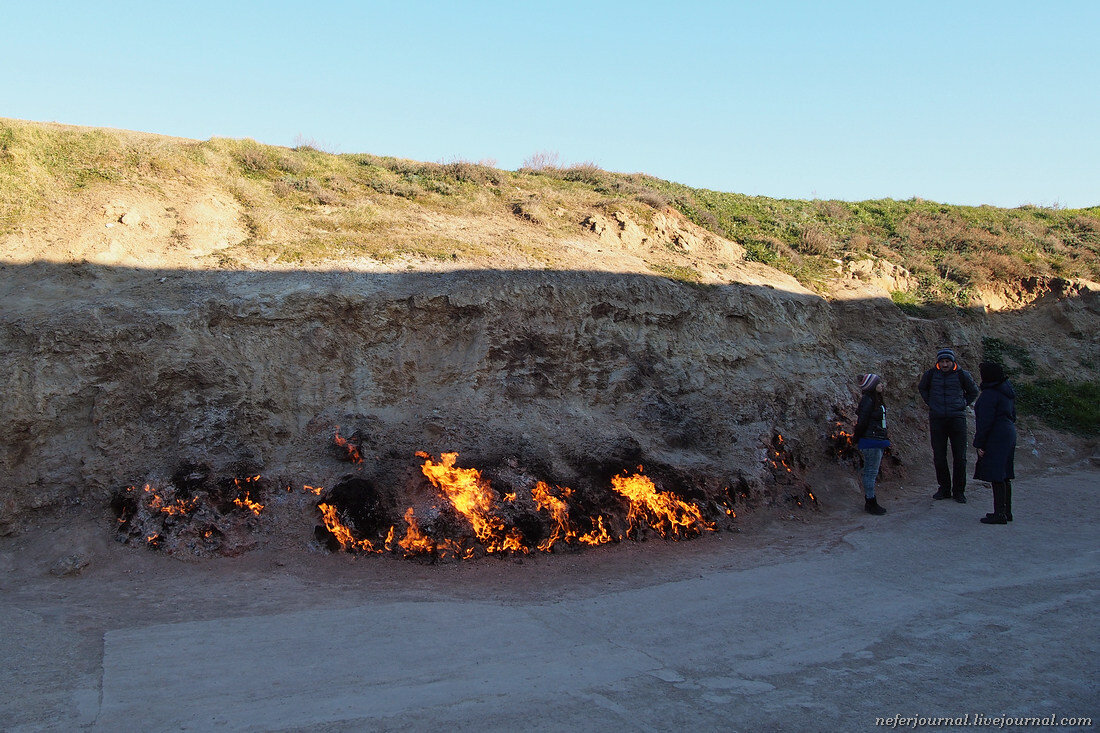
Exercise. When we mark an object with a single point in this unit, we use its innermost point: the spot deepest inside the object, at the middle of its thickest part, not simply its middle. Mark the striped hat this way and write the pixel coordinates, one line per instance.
(945, 353)
(868, 382)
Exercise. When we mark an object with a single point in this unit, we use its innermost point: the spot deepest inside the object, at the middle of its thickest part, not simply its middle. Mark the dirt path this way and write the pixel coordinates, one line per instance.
(825, 625)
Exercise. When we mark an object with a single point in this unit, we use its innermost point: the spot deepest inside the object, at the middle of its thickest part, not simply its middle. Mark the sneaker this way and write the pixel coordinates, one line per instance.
(961, 498)
(941, 494)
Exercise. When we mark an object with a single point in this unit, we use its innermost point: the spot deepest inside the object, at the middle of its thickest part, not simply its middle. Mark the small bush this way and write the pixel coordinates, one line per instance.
(254, 160)
(541, 161)
(814, 239)
(654, 199)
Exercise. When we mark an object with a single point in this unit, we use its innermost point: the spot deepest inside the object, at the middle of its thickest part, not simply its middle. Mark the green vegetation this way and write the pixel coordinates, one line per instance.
(1015, 359)
(1069, 406)
(1063, 405)
(678, 272)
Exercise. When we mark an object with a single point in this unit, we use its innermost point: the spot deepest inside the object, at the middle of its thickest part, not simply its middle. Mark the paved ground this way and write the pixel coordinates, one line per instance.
(822, 626)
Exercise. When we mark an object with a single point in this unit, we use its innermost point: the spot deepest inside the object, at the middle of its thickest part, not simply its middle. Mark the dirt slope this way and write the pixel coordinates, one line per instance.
(146, 326)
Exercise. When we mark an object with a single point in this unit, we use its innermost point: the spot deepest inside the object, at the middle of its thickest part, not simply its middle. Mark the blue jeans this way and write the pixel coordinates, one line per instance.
(872, 458)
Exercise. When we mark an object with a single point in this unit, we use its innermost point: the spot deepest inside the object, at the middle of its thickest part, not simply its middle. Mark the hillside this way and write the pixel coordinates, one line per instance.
(189, 315)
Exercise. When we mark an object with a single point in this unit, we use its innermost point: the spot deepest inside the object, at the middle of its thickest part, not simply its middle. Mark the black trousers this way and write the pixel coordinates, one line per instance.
(942, 430)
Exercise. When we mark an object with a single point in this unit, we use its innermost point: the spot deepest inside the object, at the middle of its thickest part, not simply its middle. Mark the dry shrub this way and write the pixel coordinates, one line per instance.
(587, 172)
(834, 210)
(814, 239)
(1003, 267)
(463, 170)
(708, 220)
(962, 270)
(541, 161)
(861, 243)
(655, 199)
(282, 188)
(254, 159)
(290, 164)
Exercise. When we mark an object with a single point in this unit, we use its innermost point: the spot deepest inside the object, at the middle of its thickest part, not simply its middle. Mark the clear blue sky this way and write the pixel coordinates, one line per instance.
(961, 102)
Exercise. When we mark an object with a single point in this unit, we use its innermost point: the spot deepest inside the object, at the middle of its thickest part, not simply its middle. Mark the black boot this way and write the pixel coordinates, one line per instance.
(941, 494)
(1008, 499)
(872, 507)
(998, 514)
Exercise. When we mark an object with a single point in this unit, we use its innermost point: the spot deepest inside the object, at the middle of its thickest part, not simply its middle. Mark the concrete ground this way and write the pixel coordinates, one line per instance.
(824, 625)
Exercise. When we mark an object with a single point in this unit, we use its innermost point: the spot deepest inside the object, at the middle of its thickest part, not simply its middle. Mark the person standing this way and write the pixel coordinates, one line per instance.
(995, 439)
(871, 433)
(948, 391)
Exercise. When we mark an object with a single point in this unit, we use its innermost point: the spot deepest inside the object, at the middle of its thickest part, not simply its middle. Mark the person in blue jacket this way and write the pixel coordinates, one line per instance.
(995, 439)
(948, 391)
(871, 433)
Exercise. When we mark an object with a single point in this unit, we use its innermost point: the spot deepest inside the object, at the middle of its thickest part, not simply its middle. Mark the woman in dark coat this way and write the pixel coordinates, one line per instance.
(995, 439)
(871, 433)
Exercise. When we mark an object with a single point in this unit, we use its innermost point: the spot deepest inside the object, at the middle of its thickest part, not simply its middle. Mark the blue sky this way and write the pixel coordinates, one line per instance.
(961, 102)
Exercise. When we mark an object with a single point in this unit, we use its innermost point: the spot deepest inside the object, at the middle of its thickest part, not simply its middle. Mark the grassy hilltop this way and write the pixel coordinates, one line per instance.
(305, 206)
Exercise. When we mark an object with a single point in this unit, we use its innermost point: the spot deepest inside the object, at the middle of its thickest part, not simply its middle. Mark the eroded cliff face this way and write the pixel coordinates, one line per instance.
(115, 376)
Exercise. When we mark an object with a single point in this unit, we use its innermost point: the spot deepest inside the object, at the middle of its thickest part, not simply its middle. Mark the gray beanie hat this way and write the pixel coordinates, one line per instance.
(945, 353)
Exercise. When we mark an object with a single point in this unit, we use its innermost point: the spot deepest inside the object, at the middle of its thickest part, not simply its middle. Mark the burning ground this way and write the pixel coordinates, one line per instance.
(459, 513)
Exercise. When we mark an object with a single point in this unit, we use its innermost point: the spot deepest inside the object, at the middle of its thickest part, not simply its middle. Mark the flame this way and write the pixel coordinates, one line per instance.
(158, 503)
(247, 503)
(658, 509)
(472, 497)
(415, 542)
(559, 513)
(315, 490)
(598, 536)
(341, 531)
(353, 453)
(558, 508)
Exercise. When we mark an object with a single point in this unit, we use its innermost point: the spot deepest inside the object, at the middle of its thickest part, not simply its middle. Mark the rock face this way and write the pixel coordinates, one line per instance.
(129, 373)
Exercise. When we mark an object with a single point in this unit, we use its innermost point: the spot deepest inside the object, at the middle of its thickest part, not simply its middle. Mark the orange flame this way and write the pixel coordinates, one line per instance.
(658, 509)
(315, 490)
(559, 513)
(341, 531)
(354, 455)
(598, 536)
(415, 542)
(472, 497)
(247, 503)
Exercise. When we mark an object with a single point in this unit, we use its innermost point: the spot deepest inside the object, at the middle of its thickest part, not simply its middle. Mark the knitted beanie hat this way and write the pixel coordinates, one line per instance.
(868, 382)
(945, 353)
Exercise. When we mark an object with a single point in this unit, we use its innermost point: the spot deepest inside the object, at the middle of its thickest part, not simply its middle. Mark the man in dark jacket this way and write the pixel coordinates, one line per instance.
(948, 391)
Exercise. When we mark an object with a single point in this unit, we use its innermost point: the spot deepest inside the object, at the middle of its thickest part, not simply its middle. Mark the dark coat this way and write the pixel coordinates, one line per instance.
(995, 431)
(947, 393)
(871, 417)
